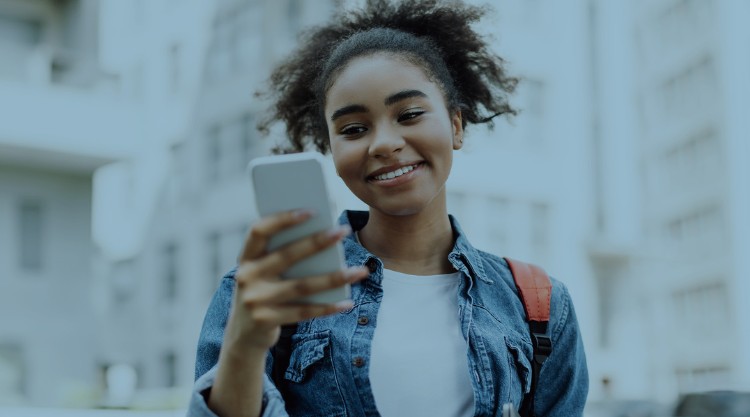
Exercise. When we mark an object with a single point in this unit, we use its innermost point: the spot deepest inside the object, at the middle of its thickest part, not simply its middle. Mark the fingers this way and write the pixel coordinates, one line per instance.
(261, 232)
(267, 317)
(280, 260)
(271, 304)
(266, 292)
(264, 301)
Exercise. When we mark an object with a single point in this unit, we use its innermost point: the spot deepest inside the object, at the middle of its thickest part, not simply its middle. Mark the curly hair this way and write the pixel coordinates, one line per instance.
(434, 35)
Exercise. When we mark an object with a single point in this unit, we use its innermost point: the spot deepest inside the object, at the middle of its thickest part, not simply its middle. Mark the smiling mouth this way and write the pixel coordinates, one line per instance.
(396, 173)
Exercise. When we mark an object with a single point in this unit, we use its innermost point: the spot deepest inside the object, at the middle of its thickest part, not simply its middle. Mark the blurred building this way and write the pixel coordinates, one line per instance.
(625, 175)
(201, 208)
(61, 121)
(161, 68)
(671, 307)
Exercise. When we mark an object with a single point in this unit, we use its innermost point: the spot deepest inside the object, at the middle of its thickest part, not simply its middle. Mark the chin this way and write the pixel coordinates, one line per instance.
(400, 209)
(399, 206)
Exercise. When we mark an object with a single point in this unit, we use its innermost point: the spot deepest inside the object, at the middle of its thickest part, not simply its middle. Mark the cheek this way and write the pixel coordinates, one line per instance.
(438, 136)
(344, 158)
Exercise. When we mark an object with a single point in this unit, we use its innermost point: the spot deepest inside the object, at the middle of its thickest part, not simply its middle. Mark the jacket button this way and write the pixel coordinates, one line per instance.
(372, 265)
(358, 361)
(363, 320)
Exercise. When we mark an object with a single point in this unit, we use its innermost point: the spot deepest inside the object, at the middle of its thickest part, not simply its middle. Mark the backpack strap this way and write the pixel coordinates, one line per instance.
(535, 290)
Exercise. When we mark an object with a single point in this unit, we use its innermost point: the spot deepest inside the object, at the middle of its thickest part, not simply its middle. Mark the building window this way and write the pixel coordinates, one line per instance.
(222, 50)
(531, 117)
(236, 40)
(18, 31)
(235, 243)
(539, 226)
(174, 66)
(294, 16)
(181, 173)
(706, 308)
(233, 159)
(169, 361)
(251, 43)
(498, 209)
(681, 22)
(250, 139)
(703, 378)
(698, 157)
(122, 283)
(702, 225)
(213, 241)
(213, 144)
(230, 145)
(697, 83)
(224, 249)
(171, 271)
(13, 371)
(31, 221)
(18, 38)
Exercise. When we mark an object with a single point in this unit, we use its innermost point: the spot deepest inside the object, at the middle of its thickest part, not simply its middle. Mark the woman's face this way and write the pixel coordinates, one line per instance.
(391, 134)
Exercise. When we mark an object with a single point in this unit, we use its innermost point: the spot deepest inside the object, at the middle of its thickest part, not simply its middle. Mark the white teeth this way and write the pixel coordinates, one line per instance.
(397, 173)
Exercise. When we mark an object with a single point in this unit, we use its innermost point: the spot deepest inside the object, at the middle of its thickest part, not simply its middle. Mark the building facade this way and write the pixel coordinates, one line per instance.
(202, 209)
(671, 306)
(624, 175)
(61, 122)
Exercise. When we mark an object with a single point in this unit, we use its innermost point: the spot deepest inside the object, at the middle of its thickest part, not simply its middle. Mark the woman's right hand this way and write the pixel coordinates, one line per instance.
(263, 301)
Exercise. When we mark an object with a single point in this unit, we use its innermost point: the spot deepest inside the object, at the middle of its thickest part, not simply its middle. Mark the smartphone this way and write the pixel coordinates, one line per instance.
(297, 181)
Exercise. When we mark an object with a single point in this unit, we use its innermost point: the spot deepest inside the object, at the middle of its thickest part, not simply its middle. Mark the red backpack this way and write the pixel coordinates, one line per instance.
(535, 291)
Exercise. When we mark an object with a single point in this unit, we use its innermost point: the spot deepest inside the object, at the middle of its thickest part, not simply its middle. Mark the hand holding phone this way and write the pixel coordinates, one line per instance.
(292, 182)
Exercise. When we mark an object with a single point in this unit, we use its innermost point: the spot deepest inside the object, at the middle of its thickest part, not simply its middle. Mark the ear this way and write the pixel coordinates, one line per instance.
(458, 130)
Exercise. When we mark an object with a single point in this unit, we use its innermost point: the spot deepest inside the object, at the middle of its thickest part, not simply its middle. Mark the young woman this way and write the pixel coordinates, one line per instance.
(435, 327)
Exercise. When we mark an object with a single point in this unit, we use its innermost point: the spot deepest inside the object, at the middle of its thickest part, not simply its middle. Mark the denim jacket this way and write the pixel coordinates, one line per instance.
(328, 367)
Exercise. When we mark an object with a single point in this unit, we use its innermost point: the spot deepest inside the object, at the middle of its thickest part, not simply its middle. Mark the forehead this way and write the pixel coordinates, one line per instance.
(378, 75)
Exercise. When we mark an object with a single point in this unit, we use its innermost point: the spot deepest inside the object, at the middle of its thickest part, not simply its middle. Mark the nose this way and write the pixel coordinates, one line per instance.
(385, 142)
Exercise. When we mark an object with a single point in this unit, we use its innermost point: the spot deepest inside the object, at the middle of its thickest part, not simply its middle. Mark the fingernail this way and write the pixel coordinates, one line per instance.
(344, 305)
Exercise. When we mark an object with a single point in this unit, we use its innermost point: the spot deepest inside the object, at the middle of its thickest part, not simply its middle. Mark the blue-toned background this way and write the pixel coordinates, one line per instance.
(126, 126)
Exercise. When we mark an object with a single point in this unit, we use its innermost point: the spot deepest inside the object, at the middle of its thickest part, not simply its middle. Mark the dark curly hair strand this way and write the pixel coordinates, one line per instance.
(434, 35)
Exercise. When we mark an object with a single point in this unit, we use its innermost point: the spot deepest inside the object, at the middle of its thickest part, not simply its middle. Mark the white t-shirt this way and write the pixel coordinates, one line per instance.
(418, 364)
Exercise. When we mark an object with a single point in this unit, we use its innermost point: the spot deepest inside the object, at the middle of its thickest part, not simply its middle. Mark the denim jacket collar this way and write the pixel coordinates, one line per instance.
(463, 256)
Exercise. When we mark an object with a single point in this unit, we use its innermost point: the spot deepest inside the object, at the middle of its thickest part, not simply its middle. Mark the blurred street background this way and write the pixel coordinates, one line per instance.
(126, 127)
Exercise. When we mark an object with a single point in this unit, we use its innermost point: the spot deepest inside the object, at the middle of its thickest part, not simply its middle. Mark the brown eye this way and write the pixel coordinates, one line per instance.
(411, 114)
(352, 130)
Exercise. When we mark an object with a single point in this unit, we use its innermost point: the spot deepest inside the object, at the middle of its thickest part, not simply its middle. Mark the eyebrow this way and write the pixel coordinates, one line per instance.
(403, 95)
(353, 108)
(390, 100)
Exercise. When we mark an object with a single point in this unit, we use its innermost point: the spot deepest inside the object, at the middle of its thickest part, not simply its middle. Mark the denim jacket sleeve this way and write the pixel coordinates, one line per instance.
(209, 346)
(563, 382)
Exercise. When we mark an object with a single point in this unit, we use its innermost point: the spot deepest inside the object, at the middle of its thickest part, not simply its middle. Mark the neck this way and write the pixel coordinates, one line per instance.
(416, 244)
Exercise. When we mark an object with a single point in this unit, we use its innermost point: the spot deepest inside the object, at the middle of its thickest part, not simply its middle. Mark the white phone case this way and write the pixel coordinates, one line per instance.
(297, 181)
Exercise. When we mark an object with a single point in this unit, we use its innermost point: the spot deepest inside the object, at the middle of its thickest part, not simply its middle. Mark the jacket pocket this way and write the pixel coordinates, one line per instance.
(307, 349)
(520, 367)
(312, 387)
